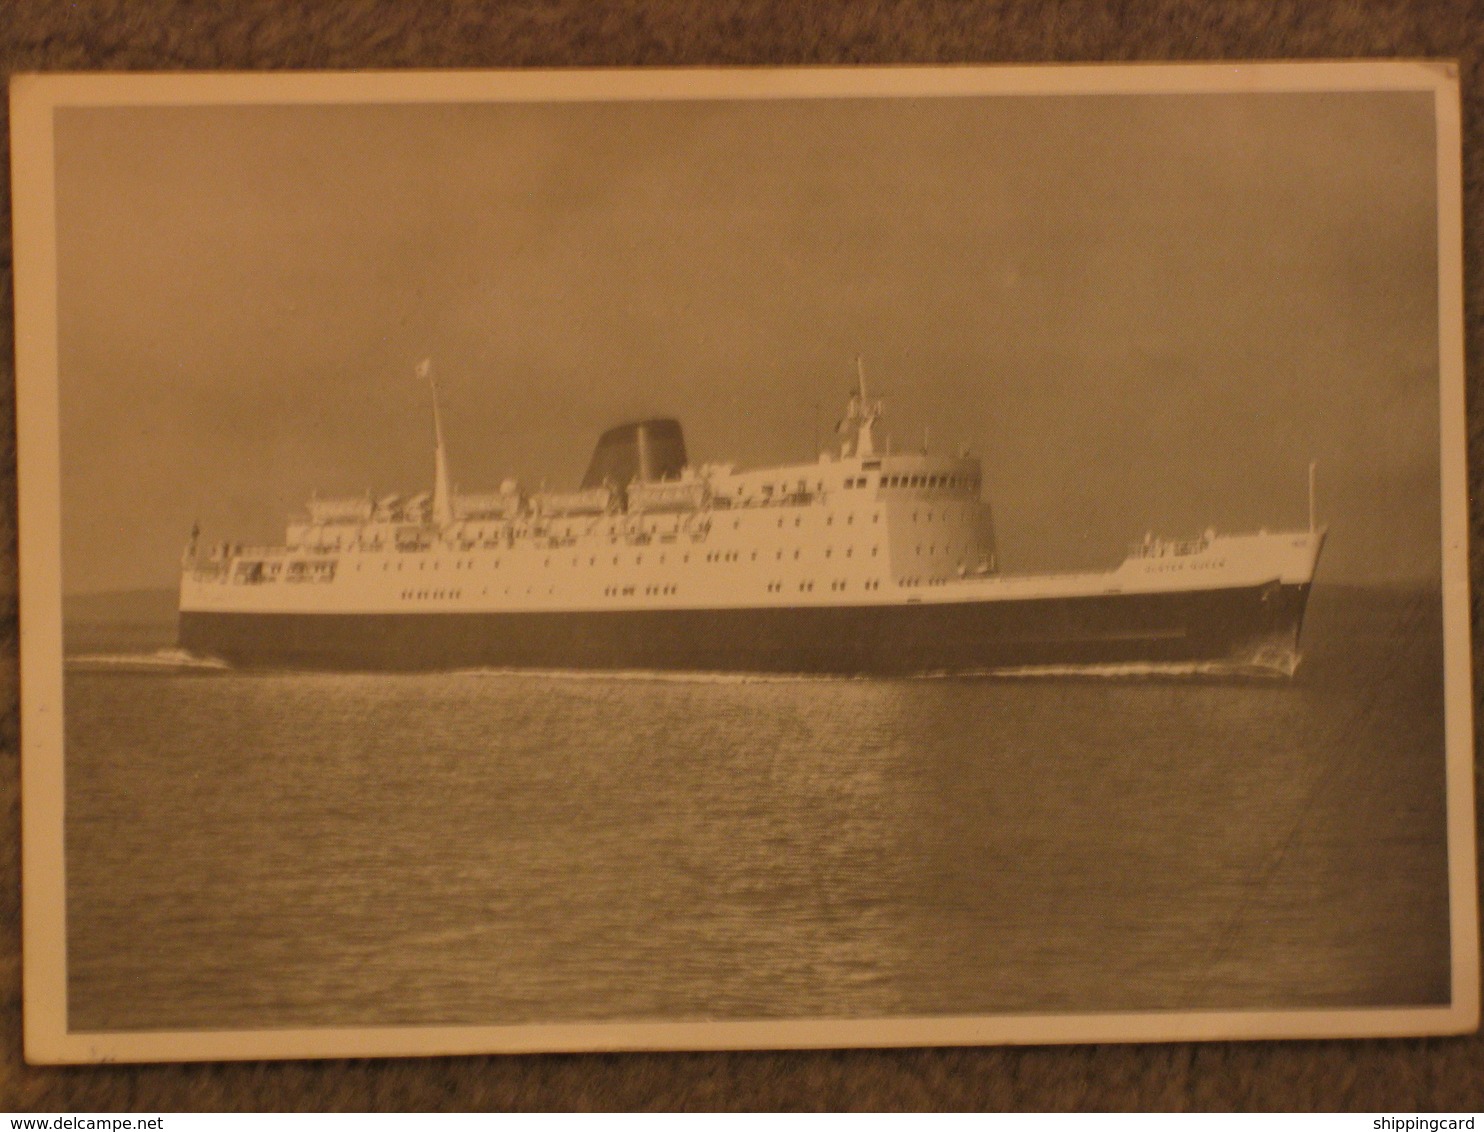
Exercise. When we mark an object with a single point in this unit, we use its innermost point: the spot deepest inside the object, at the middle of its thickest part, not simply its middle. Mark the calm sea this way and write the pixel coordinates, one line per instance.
(268, 850)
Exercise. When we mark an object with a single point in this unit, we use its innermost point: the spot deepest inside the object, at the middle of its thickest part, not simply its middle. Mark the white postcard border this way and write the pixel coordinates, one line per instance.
(33, 102)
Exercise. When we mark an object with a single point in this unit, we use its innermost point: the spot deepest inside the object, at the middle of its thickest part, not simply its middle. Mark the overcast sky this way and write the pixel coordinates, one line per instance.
(1142, 312)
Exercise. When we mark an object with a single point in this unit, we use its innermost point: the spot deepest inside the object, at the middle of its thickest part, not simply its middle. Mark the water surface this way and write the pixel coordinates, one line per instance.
(280, 849)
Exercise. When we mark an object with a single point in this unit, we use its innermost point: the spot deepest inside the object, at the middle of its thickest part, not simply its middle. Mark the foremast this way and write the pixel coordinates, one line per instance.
(442, 495)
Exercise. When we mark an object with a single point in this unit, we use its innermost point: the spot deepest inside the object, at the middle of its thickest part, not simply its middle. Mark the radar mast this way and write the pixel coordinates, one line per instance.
(861, 417)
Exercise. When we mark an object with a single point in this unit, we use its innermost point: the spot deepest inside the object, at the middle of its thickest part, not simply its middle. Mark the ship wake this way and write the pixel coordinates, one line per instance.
(1194, 671)
(652, 675)
(176, 660)
(1142, 670)
(159, 660)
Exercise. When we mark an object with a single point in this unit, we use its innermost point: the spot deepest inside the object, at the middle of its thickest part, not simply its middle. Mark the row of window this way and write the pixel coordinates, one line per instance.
(769, 489)
(838, 586)
(829, 520)
(258, 573)
(716, 556)
(957, 483)
(851, 483)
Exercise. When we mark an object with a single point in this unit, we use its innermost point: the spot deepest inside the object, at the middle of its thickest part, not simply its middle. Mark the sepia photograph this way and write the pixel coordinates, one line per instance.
(742, 558)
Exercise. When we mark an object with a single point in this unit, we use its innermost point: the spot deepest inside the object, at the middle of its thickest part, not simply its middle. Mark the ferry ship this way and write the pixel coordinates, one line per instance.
(869, 561)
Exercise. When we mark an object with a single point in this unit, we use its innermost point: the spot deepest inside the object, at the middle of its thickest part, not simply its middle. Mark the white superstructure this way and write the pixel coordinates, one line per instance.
(864, 525)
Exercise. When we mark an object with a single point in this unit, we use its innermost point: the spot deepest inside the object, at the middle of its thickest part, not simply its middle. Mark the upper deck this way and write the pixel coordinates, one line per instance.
(860, 519)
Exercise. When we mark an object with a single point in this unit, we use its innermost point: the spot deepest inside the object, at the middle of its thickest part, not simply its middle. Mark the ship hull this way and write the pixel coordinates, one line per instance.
(1250, 628)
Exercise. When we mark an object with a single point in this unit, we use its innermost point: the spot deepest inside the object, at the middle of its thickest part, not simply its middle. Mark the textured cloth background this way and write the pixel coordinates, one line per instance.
(1446, 1074)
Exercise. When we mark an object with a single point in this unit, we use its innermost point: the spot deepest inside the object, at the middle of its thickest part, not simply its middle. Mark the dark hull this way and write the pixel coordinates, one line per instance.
(1253, 627)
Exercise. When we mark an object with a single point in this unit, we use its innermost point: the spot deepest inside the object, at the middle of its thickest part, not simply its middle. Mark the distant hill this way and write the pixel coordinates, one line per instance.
(122, 607)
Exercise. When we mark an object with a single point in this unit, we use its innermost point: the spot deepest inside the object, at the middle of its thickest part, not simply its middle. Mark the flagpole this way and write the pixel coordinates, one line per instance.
(1313, 464)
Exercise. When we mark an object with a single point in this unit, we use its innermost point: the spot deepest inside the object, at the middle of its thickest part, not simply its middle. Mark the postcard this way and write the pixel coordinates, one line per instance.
(682, 559)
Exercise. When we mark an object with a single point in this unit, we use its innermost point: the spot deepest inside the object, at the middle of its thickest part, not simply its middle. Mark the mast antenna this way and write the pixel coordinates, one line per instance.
(442, 501)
